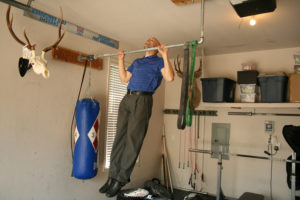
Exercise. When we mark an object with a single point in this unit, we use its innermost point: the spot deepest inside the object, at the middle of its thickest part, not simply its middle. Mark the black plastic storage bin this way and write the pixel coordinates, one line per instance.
(273, 89)
(218, 89)
(247, 77)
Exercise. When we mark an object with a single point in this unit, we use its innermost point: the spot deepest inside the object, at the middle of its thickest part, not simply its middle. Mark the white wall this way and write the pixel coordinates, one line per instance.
(35, 119)
(247, 134)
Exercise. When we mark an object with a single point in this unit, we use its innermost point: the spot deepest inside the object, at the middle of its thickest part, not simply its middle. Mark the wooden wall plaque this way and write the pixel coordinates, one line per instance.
(71, 56)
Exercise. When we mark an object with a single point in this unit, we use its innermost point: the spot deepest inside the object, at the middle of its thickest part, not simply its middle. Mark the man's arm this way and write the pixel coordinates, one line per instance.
(167, 71)
(123, 73)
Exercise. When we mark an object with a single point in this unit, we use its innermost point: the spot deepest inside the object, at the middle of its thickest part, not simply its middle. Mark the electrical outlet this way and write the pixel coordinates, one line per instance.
(269, 127)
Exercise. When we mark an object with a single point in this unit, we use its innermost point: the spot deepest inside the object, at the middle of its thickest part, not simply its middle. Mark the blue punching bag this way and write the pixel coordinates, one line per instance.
(86, 139)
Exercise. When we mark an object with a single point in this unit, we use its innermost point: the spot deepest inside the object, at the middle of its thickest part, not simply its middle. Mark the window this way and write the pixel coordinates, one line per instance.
(116, 92)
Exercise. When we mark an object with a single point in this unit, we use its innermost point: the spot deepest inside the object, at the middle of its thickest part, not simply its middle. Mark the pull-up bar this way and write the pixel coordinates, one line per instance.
(92, 57)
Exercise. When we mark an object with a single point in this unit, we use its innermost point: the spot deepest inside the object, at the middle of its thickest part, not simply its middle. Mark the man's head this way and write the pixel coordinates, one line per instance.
(151, 42)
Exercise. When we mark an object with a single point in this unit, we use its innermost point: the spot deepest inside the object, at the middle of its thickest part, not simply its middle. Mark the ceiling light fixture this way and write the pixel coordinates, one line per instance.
(252, 21)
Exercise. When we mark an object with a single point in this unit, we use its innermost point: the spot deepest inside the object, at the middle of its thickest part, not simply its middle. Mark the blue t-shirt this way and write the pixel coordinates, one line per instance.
(146, 74)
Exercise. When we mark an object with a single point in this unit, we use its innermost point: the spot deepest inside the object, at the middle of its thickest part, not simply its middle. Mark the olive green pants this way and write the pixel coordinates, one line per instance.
(133, 118)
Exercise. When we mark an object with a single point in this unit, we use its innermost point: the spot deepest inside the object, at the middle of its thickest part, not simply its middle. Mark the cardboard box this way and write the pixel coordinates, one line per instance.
(294, 87)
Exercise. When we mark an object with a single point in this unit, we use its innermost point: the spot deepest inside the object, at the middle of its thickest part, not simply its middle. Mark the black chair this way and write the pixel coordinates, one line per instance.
(292, 135)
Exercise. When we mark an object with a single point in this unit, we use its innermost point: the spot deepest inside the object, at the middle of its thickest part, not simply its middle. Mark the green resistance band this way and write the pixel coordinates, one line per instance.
(189, 107)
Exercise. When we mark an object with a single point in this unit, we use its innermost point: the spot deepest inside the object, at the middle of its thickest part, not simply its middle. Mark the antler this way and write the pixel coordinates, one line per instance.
(177, 62)
(29, 46)
(60, 36)
(9, 25)
(198, 73)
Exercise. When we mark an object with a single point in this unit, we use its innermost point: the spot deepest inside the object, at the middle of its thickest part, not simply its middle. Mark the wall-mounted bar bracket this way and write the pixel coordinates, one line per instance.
(71, 56)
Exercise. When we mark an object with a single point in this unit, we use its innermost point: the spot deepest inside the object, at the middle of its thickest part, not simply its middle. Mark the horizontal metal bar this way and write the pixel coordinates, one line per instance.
(243, 155)
(250, 156)
(201, 151)
(196, 112)
(274, 114)
(240, 113)
(17, 4)
(80, 58)
(278, 114)
(139, 51)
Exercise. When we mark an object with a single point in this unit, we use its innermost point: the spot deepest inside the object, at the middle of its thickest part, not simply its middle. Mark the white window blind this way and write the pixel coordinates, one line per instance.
(116, 92)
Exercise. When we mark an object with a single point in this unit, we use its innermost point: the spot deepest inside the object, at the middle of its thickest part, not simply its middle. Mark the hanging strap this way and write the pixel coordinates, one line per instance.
(71, 139)
(88, 89)
(190, 108)
(184, 88)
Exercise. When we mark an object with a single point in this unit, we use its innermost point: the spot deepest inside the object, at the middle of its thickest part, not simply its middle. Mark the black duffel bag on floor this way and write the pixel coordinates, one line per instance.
(157, 190)
(133, 194)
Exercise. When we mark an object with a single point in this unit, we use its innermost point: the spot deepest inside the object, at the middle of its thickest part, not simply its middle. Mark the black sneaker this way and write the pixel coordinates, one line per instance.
(107, 185)
(114, 189)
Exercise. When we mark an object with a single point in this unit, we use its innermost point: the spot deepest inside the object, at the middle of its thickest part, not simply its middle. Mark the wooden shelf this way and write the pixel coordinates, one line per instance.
(250, 105)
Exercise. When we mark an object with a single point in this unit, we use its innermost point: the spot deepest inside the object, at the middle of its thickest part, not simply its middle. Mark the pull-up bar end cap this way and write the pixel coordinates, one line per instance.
(80, 58)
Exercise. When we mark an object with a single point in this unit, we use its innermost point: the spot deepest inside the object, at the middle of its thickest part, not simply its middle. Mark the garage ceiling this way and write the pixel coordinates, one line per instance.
(132, 21)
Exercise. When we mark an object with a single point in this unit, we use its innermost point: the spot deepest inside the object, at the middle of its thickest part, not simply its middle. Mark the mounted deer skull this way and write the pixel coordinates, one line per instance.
(197, 74)
(38, 63)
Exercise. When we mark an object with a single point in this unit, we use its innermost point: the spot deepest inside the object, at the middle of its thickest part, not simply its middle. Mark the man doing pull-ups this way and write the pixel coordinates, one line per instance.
(144, 76)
